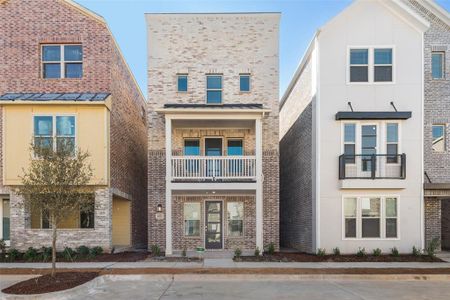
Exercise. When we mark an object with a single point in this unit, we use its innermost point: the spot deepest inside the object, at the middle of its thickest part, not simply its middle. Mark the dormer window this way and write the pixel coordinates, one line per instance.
(62, 61)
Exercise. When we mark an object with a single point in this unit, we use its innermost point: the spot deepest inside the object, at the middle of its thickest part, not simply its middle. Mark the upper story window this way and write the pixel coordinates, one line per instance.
(438, 65)
(62, 61)
(369, 65)
(191, 147)
(235, 147)
(392, 143)
(244, 82)
(349, 142)
(214, 89)
(182, 82)
(54, 132)
(438, 143)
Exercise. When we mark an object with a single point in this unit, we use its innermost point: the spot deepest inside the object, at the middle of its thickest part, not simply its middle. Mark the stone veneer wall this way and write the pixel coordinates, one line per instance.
(247, 241)
(22, 236)
(189, 44)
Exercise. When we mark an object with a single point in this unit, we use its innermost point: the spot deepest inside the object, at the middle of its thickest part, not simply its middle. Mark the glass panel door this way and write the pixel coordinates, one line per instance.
(213, 228)
(213, 147)
(368, 147)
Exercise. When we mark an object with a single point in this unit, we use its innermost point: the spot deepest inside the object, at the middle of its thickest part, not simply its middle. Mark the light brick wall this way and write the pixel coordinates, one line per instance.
(24, 26)
(200, 44)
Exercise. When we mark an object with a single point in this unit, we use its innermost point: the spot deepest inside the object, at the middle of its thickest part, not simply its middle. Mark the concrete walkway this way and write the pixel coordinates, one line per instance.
(227, 263)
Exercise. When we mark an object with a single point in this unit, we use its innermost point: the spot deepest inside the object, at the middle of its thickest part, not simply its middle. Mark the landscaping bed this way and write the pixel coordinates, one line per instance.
(47, 283)
(305, 257)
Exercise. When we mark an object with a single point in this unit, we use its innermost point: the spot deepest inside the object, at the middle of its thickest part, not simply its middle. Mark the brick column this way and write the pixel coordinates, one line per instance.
(432, 219)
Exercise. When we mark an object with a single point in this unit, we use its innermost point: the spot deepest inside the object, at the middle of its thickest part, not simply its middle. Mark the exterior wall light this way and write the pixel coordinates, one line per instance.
(159, 208)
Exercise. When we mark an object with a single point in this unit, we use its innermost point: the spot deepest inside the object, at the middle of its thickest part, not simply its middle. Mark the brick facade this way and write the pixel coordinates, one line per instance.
(24, 27)
(189, 44)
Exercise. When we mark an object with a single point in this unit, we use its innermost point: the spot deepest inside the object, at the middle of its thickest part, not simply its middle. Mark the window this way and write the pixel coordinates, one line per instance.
(349, 143)
(235, 147)
(244, 83)
(438, 143)
(214, 89)
(235, 216)
(368, 145)
(87, 216)
(359, 65)
(62, 61)
(370, 217)
(182, 83)
(437, 65)
(48, 129)
(392, 143)
(391, 217)
(191, 147)
(383, 65)
(192, 219)
(350, 217)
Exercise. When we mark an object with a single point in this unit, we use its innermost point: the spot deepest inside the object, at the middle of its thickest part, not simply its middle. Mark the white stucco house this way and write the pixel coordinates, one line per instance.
(351, 138)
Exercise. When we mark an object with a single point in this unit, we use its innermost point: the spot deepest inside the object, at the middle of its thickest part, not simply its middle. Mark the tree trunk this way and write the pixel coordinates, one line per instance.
(54, 249)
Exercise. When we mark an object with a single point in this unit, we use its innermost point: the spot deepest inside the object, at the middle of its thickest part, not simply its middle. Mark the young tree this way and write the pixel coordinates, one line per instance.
(56, 182)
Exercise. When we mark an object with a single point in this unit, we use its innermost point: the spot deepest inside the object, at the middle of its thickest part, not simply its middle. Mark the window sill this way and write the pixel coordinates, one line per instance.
(372, 183)
(371, 239)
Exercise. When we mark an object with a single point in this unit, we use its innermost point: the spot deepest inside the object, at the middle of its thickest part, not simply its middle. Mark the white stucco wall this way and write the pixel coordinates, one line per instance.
(368, 23)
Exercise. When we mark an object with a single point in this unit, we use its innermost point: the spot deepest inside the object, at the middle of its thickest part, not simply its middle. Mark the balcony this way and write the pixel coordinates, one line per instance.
(372, 166)
(213, 168)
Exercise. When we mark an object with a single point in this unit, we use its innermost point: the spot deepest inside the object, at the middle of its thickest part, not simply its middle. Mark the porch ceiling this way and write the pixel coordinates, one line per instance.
(213, 124)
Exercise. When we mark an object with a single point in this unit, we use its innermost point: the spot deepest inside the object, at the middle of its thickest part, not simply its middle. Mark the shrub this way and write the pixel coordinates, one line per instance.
(183, 253)
(13, 254)
(96, 251)
(31, 254)
(83, 250)
(416, 252)
(69, 254)
(376, 252)
(46, 253)
(321, 252)
(361, 252)
(2, 246)
(336, 251)
(237, 253)
(156, 251)
(257, 252)
(394, 252)
(271, 248)
(432, 246)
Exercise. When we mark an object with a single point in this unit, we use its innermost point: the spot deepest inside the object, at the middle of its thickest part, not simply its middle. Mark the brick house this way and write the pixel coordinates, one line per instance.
(351, 120)
(213, 131)
(62, 75)
(436, 121)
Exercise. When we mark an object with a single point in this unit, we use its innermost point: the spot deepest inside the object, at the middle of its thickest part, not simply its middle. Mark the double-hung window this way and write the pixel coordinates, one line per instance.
(62, 61)
(438, 133)
(192, 219)
(182, 83)
(392, 143)
(349, 142)
(370, 217)
(382, 65)
(214, 89)
(55, 132)
(244, 82)
(235, 216)
(359, 65)
(438, 64)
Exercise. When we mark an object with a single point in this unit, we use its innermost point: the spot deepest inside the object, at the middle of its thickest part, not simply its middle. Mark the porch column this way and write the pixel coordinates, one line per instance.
(259, 185)
(168, 185)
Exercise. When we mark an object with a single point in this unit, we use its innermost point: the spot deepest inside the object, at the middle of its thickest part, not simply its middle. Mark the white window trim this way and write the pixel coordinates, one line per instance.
(381, 135)
(61, 61)
(249, 83)
(443, 54)
(371, 66)
(359, 218)
(200, 219)
(243, 221)
(54, 128)
(187, 83)
(207, 90)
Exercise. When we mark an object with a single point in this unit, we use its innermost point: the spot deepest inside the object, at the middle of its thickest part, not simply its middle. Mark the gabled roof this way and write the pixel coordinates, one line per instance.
(437, 10)
(86, 11)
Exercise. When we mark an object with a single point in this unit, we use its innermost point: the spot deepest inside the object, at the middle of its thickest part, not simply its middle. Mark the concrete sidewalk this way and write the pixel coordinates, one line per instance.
(229, 263)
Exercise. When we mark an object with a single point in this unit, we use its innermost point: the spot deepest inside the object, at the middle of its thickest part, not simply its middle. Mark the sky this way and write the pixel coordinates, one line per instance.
(299, 21)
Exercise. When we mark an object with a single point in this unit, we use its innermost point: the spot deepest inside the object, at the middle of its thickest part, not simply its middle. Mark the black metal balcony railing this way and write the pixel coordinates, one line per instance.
(372, 166)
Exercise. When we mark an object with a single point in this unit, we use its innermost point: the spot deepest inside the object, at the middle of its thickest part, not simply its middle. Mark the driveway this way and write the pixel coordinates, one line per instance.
(248, 287)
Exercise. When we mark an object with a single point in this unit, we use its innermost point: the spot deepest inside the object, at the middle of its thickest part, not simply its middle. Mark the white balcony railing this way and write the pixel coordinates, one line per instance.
(213, 168)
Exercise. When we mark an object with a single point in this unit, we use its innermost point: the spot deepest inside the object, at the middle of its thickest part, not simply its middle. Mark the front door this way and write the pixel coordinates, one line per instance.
(213, 225)
(213, 147)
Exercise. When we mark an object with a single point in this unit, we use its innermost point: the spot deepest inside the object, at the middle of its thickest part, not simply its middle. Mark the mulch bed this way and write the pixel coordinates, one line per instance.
(105, 257)
(47, 283)
(305, 257)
